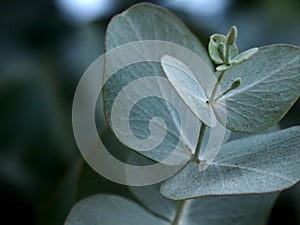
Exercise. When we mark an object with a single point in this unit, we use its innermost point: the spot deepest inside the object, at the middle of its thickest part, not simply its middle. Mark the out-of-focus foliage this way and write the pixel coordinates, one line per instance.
(42, 57)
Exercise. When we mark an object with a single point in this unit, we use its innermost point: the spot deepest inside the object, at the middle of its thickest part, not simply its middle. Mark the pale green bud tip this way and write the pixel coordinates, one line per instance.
(236, 83)
(231, 36)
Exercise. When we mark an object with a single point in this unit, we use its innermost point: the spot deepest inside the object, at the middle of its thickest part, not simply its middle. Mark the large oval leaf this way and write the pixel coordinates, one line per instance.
(145, 21)
(230, 210)
(110, 210)
(227, 210)
(139, 23)
(258, 164)
(270, 86)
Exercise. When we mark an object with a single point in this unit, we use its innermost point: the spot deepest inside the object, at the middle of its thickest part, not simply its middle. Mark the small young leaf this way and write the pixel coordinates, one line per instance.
(231, 36)
(224, 67)
(258, 164)
(217, 49)
(188, 88)
(214, 48)
(238, 59)
(242, 57)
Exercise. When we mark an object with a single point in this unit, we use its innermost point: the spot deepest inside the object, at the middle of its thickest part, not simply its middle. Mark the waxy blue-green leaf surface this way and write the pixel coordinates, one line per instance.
(258, 164)
(216, 48)
(227, 210)
(110, 210)
(115, 210)
(270, 86)
(149, 22)
(188, 88)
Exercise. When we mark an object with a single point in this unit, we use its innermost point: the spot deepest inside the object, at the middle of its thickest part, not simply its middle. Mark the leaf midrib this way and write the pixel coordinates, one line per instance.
(252, 169)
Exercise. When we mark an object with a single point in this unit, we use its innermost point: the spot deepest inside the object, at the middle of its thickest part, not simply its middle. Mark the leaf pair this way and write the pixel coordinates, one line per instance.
(188, 88)
(224, 51)
(270, 86)
(257, 164)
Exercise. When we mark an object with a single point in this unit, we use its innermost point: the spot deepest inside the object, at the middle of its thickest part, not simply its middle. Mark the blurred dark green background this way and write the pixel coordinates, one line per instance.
(45, 48)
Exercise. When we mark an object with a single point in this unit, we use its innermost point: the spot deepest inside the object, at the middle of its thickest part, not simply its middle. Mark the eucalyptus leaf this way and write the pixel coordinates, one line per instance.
(143, 22)
(231, 36)
(155, 210)
(224, 67)
(270, 86)
(238, 59)
(110, 210)
(217, 49)
(243, 56)
(258, 164)
(227, 210)
(188, 88)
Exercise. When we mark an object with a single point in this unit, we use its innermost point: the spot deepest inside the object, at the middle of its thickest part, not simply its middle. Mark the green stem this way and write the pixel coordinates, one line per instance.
(203, 126)
(214, 92)
(179, 212)
(221, 95)
(227, 53)
(199, 143)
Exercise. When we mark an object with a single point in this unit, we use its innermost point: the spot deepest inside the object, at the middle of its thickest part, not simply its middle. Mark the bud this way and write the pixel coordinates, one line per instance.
(231, 36)
(236, 83)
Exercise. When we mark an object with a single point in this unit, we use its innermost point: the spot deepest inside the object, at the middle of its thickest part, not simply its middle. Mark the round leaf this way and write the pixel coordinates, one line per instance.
(258, 164)
(188, 88)
(270, 86)
(143, 22)
(110, 210)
